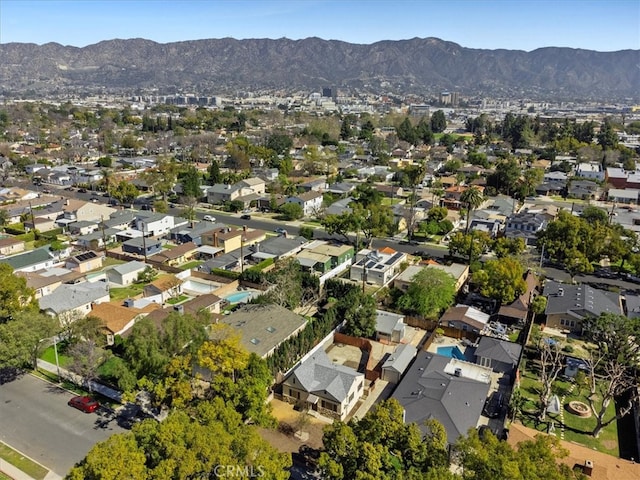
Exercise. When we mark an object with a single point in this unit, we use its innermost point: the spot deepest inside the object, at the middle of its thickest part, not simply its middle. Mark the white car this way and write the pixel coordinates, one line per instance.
(209, 218)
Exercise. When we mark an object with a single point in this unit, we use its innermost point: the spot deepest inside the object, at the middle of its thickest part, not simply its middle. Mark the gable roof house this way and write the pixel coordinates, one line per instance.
(499, 355)
(193, 233)
(569, 305)
(126, 273)
(517, 311)
(84, 262)
(525, 225)
(390, 327)
(37, 259)
(175, 256)
(311, 202)
(465, 318)
(397, 362)
(324, 386)
(157, 224)
(11, 246)
(244, 191)
(444, 389)
(117, 318)
(142, 246)
(71, 302)
(162, 289)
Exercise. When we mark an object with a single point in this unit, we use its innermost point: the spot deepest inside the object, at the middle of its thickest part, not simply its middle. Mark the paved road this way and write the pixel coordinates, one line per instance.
(36, 420)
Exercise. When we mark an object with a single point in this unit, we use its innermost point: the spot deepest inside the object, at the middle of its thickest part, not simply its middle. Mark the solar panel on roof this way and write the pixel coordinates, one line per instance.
(370, 264)
(85, 256)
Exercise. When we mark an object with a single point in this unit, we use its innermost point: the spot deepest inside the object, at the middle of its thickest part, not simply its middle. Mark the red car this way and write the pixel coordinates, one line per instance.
(85, 404)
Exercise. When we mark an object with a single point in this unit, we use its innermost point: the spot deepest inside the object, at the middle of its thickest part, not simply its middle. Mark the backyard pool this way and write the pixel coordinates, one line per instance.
(239, 297)
(451, 351)
(196, 286)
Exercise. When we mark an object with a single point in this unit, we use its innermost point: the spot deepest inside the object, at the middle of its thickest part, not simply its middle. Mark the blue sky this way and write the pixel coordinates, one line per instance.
(603, 25)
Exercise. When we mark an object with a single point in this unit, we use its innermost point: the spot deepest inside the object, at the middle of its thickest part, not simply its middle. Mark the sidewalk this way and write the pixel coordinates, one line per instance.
(94, 387)
(16, 474)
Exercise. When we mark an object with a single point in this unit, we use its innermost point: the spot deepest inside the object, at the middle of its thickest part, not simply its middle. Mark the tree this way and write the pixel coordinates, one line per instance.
(506, 176)
(214, 173)
(431, 290)
(291, 211)
(539, 305)
(415, 175)
(306, 232)
(86, 357)
(438, 122)
(551, 364)
(501, 279)
(509, 247)
(222, 353)
(191, 183)
(15, 296)
(607, 138)
(125, 192)
(280, 143)
(470, 245)
(359, 312)
(531, 178)
(612, 365)
(472, 197)
(487, 458)
(21, 338)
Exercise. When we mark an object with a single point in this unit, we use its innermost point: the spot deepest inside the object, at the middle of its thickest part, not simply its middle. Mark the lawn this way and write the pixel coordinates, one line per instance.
(190, 265)
(23, 463)
(49, 355)
(174, 301)
(123, 293)
(577, 429)
(109, 262)
(391, 201)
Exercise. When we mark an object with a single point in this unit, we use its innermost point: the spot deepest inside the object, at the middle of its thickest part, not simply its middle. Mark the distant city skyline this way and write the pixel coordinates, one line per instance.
(601, 25)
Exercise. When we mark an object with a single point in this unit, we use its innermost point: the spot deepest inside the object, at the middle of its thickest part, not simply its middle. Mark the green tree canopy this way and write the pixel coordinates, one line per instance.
(501, 279)
(15, 296)
(431, 290)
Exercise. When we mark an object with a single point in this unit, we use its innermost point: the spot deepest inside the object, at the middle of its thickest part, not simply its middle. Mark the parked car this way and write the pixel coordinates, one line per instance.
(84, 404)
(209, 218)
(246, 216)
(493, 406)
(280, 231)
(82, 190)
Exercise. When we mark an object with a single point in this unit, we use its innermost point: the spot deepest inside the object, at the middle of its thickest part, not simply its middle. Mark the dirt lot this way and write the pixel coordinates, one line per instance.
(288, 417)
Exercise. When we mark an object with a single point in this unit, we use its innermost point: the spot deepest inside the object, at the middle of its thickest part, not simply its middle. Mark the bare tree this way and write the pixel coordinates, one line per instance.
(86, 357)
(551, 363)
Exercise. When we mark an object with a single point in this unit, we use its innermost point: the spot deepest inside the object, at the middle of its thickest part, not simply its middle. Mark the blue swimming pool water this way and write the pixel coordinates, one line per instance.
(238, 297)
(451, 351)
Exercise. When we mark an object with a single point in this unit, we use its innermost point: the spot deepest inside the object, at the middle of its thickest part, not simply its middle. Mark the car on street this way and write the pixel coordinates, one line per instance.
(246, 216)
(209, 218)
(82, 190)
(280, 231)
(84, 404)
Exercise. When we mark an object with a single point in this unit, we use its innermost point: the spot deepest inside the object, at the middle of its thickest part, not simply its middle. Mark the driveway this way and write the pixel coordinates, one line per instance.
(36, 420)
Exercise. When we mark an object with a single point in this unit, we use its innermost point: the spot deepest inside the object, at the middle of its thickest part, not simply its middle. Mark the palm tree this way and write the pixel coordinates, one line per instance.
(473, 198)
(107, 177)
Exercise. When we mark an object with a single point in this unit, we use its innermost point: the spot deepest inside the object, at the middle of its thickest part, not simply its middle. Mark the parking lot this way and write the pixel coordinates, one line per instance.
(37, 421)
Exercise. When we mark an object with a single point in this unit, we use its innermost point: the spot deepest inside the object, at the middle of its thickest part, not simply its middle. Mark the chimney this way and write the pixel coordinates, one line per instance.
(244, 228)
(215, 239)
(66, 202)
(561, 292)
(587, 469)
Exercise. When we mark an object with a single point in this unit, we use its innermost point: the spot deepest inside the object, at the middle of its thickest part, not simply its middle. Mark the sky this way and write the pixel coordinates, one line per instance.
(602, 25)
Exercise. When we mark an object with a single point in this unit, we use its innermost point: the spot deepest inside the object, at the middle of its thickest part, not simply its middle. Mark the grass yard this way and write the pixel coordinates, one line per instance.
(123, 293)
(110, 262)
(49, 355)
(28, 466)
(391, 201)
(174, 301)
(190, 265)
(577, 429)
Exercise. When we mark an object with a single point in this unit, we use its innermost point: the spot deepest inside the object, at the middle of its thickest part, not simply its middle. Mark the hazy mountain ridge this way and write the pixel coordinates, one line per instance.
(418, 65)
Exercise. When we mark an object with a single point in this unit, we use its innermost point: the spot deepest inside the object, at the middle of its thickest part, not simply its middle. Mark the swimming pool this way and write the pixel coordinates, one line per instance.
(451, 351)
(239, 297)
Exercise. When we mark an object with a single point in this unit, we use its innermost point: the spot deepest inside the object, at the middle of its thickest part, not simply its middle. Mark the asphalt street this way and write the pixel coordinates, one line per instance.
(36, 420)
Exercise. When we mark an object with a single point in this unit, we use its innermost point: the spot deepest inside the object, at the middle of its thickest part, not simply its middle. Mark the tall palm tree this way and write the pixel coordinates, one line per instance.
(107, 179)
(473, 198)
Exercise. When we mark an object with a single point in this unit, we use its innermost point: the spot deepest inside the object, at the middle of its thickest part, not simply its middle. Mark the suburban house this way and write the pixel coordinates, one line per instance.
(44, 282)
(517, 311)
(156, 224)
(249, 189)
(37, 259)
(120, 219)
(378, 267)
(84, 262)
(397, 362)
(310, 202)
(491, 227)
(162, 289)
(117, 319)
(390, 327)
(11, 246)
(465, 318)
(568, 305)
(458, 271)
(97, 239)
(323, 386)
(277, 247)
(445, 389)
(321, 257)
(142, 246)
(42, 224)
(525, 225)
(499, 355)
(83, 227)
(207, 302)
(226, 238)
(175, 256)
(194, 233)
(79, 210)
(71, 302)
(264, 327)
(339, 207)
(126, 273)
(628, 196)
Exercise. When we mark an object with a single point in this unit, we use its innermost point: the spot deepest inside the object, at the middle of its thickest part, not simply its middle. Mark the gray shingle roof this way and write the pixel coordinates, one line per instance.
(400, 359)
(32, 257)
(581, 300)
(426, 392)
(499, 350)
(320, 376)
(67, 297)
(129, 267)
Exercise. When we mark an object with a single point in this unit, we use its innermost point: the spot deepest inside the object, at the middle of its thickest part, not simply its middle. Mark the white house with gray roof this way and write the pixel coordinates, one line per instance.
(72, 302)
(390, 326)
(398, 362)
(325, 387)
(126, 273)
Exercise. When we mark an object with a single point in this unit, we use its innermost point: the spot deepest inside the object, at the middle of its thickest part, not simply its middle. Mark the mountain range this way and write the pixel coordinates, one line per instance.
(421, 66)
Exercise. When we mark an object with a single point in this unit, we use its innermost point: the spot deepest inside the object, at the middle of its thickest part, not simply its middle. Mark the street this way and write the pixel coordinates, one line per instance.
(36, 420)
